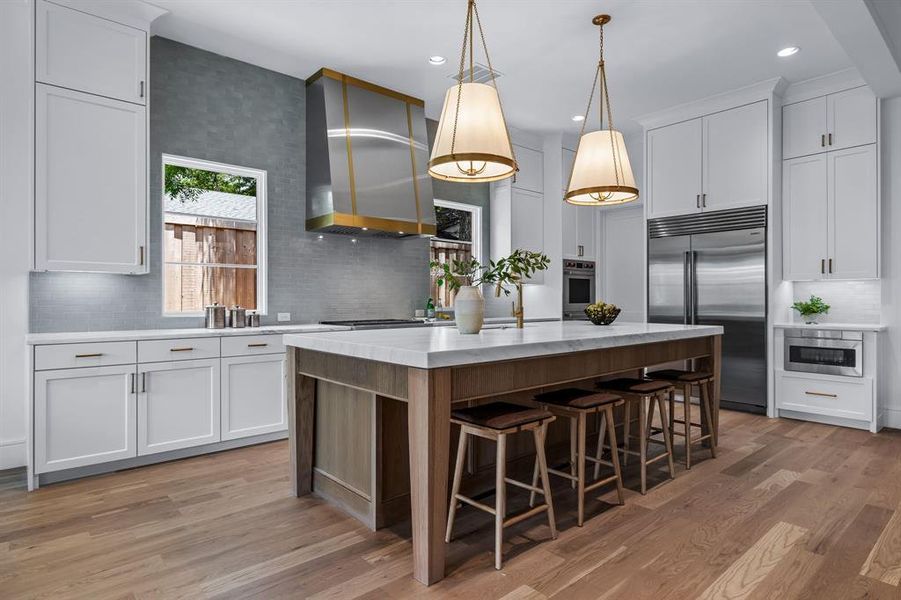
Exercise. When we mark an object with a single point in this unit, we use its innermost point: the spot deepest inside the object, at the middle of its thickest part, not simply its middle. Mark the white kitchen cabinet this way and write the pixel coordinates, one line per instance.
(178, 405)
(715, 162)
(82, 52)
(569, 157)
(853, 205)
(805, 218)
(833, 122)
(674, 169)
(580, 229)
(517, 222)
(83, 417)
(85, 221)
(831, 215)
(838, 397)
(735, 170)
(531, 169)
(253, 395)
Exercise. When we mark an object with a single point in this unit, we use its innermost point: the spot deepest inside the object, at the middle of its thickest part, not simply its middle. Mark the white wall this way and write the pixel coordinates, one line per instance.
(15, 225)
(890, 367)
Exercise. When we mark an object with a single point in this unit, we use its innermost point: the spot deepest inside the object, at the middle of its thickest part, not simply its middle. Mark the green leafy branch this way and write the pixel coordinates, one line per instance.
(507, 271)
(814, 306)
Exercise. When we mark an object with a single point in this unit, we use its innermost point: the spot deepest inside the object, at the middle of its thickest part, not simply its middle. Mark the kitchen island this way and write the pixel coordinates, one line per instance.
(428, 370)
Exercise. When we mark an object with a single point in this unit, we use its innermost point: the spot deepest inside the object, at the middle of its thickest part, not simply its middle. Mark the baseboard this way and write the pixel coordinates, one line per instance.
(12, 454)
(891, 417)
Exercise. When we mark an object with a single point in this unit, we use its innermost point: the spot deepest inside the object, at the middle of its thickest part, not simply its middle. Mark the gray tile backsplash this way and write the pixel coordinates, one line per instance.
(849, 301)
(206, 106)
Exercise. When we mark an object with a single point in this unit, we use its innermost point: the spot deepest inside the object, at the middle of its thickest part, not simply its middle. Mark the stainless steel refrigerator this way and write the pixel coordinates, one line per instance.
(710, 269)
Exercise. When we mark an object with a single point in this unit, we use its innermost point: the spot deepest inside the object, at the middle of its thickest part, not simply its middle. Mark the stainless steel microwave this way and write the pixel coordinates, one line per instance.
(829, 352)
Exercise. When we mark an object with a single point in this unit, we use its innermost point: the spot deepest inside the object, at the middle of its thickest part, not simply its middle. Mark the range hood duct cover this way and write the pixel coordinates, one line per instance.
(367, 159)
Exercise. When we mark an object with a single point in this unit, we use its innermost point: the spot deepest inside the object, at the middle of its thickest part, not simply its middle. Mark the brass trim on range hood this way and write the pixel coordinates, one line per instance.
(340, 220)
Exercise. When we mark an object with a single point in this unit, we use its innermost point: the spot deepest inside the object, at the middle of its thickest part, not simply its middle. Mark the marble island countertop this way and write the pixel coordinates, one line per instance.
(434, 347)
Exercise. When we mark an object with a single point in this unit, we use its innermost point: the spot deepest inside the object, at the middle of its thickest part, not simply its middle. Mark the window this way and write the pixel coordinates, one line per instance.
(214, 236)
(458, 237)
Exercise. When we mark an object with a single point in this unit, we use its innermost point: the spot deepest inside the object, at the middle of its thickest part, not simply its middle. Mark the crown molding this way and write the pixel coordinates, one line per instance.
(134, 13)
(822, 85)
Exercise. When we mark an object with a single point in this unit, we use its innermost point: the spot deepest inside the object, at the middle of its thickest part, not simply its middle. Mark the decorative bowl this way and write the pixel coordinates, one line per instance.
(601, 313)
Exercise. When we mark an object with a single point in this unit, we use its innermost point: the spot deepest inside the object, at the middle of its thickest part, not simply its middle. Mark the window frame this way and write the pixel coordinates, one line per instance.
(262, 231)
(476, 212)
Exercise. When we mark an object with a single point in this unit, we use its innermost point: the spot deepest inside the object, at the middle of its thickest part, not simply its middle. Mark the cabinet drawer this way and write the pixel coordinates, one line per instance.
(245, 345)
(852, 399)
(92, 354)
(177, 349)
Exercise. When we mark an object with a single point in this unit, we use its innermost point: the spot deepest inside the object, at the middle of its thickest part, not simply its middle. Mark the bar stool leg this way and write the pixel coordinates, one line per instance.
(686, 415)
(602, 431)
(541, 460)
(573, 432)
(500, 505)
(649, 428)
(705, 406)
(535, 472)
(627, 424)
(580, 470)
(642, 444)
(668, 440)
(614, 455)
(455, 489)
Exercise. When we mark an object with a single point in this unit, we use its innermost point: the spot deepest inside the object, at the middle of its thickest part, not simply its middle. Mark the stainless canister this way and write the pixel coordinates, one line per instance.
(253, 319)
(238, 316)
(215, 316)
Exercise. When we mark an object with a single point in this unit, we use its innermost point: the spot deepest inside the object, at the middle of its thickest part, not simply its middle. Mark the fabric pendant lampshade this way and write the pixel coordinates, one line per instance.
(601, 173)
(472, 143)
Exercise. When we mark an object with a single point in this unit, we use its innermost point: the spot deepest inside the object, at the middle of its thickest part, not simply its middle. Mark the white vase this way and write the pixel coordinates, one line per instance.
(469, 309)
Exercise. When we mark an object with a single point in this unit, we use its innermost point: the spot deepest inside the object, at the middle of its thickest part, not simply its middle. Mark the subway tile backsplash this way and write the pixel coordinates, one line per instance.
(850, 301)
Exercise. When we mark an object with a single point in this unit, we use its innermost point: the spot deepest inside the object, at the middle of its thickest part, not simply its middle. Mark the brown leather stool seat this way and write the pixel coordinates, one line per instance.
(677, 375)
(500, 415)
(634, 386)
(577, 398)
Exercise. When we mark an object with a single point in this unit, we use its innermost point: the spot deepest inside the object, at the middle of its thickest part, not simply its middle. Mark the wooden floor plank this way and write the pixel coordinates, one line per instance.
(884, 560)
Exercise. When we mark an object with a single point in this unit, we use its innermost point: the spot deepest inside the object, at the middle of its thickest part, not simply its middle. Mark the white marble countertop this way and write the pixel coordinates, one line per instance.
(834, 326)
(434, 347)
(75, 337)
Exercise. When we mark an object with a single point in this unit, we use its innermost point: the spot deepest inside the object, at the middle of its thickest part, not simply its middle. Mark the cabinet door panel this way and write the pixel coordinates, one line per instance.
(854, 213)
(178, 405)
(805, 224)
(735, 158)
(803, 128)
(571, 216)
(851, 118)
(527, 224)
(674, 169)
(86, 53)
(253, 395)
(588, 230)
(531, 169)
(90, 183)
(83, 417)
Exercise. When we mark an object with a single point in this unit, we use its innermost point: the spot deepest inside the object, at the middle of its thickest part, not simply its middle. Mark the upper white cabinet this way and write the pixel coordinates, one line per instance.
(82, 52)
(90, 116)
(674, 169)
(531, 169)
(831, 215)
(517, 222)
(83, 221)
(580, 229)
(833, 122)
(715, 162)
(83, 416)
(735, 158)
(178, 405)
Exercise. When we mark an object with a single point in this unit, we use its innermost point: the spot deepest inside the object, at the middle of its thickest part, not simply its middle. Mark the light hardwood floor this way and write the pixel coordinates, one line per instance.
(788, 510)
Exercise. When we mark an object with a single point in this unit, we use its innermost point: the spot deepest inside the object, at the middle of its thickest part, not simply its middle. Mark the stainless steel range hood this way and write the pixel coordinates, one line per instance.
(367, 159)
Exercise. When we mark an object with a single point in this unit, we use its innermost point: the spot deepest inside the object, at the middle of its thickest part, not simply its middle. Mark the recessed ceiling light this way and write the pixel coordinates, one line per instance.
(787, 51)
(578, 118)
(437, 60)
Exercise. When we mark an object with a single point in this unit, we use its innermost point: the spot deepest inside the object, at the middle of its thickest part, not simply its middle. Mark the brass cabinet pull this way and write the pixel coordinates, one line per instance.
(823, 394)
(823, 266)
(180, 349)
(262, 345)
(92, 355)
(830, 139)
(141, 250)
(830, 265)
(823, 140)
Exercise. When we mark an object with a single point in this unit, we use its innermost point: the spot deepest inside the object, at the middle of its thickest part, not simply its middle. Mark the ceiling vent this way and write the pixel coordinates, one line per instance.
(480, 74)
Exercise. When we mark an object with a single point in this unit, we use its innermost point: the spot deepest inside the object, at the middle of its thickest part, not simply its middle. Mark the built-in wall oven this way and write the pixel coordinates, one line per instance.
(830, 352)
(578, 288)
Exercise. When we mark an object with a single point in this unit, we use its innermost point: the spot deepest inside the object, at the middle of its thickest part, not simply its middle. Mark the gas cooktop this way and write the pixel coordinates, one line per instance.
(376, 323)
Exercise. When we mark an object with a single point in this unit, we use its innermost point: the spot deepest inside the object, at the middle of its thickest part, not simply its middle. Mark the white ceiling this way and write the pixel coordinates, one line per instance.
(659, 53)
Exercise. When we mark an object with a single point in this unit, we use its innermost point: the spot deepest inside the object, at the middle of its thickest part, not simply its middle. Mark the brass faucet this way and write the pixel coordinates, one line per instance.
(517, 306)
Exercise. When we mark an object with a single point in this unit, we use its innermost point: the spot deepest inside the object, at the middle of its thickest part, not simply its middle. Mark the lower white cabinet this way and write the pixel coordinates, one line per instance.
(178, 405)
(83, 416)
(253, 395)
(839, 397)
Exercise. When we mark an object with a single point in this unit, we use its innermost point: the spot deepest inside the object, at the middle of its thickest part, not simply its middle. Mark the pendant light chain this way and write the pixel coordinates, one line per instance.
(467, 28)
(602, 69)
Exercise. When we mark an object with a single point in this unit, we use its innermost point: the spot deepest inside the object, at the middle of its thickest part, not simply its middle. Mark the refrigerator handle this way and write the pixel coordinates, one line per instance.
(693, 277)
(686, 288)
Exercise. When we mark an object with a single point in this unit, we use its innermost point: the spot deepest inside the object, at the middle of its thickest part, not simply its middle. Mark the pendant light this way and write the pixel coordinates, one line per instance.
(601, 173)
(472, 144)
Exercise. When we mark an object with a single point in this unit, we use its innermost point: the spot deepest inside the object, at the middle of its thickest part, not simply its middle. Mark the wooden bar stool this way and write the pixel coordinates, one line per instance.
(647, 394)
(685, 380)
(495, 421)
(576, 404)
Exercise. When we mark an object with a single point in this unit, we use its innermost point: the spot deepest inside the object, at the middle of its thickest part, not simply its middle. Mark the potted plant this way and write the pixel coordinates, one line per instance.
(512, 270)
(811, 309)
(465, 278)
